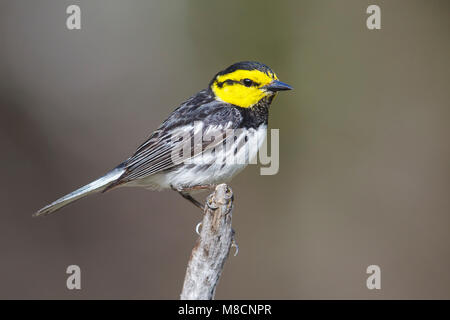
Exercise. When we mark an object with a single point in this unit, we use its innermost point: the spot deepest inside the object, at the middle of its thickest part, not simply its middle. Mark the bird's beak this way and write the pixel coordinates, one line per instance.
(276, 85)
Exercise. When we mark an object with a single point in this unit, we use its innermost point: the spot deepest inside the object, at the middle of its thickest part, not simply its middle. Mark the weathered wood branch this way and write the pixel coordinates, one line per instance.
(212, 248)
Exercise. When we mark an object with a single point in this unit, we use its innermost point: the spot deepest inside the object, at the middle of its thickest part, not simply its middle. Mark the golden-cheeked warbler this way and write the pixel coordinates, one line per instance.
(237, 100)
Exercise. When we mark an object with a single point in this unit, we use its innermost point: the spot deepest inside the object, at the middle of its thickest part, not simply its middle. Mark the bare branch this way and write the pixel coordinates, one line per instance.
(211, 250)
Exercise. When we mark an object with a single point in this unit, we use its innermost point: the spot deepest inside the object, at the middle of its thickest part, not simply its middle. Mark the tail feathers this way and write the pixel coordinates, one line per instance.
(93, 187)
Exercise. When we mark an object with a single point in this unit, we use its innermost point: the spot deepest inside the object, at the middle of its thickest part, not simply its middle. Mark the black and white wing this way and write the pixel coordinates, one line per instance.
(157, 153)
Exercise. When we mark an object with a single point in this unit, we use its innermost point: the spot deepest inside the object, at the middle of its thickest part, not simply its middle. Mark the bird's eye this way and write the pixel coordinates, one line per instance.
(247, 82)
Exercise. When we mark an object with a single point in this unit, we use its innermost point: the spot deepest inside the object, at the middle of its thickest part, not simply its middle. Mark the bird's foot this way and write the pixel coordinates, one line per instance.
(185, 193)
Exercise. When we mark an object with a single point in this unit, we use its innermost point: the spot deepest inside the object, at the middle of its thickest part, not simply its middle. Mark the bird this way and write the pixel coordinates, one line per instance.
(236, 100)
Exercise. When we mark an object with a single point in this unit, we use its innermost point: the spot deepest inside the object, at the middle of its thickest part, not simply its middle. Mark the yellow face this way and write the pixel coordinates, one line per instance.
(243, 88)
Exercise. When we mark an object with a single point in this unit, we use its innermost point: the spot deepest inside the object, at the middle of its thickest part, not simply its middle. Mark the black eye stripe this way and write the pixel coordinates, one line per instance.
(228, 81)
(249, 83)
(232, 82)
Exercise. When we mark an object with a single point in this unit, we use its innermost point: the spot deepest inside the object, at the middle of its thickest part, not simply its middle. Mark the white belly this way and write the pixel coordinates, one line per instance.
(209, 169)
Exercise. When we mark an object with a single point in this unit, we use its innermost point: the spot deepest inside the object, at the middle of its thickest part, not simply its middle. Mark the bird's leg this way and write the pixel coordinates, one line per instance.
(184, 192)
(187, 196)
(201, 187)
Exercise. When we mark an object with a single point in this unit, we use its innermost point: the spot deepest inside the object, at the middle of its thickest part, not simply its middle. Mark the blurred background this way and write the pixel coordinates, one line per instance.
(364, 147)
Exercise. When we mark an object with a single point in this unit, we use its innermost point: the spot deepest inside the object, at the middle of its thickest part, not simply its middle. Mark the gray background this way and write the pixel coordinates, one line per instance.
(364, 174)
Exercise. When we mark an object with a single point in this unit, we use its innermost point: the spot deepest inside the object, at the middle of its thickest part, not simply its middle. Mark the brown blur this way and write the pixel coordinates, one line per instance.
(364, 147)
